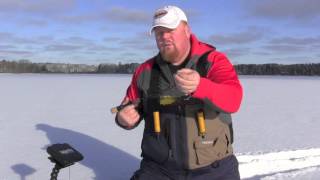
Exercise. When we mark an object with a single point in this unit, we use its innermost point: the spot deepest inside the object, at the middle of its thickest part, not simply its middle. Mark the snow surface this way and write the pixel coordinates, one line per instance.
(276, 129)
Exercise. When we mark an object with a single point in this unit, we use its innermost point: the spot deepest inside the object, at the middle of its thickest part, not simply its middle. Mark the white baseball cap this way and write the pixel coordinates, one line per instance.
(169, 17)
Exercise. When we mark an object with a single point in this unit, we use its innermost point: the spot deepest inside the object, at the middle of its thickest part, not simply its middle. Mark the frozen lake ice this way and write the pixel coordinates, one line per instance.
(276, 129)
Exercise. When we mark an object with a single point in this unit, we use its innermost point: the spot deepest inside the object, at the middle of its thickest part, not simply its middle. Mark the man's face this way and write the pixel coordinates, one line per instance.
(172, 43)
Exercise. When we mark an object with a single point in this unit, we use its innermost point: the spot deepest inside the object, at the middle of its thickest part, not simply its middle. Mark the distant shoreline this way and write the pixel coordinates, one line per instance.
(25, 66)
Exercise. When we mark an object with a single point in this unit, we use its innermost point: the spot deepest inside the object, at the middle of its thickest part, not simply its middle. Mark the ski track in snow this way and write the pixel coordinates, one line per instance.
(279, 165)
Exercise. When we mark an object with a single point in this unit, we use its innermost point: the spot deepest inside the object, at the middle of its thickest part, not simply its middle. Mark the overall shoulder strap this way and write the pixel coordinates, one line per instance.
(153, 91)
(154, 80)
(203, 64)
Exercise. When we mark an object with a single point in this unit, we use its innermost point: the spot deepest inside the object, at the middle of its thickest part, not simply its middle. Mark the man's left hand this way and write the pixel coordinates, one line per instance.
(187, 80)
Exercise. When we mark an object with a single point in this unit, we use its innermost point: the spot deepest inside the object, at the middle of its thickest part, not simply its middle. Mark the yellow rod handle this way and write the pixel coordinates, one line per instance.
(201, 123)
(156, 121)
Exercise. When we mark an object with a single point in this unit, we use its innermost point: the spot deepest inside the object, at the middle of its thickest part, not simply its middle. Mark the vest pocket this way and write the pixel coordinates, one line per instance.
(155, 148)
(210, 149)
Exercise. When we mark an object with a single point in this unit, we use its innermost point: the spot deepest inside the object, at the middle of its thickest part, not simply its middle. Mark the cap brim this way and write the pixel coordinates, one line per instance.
(163, 25)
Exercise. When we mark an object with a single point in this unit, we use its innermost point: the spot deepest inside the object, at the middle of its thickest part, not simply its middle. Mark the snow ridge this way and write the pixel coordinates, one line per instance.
(274, 163)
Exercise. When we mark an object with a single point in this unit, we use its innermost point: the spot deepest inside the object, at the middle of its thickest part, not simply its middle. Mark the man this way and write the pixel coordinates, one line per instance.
(185, 95)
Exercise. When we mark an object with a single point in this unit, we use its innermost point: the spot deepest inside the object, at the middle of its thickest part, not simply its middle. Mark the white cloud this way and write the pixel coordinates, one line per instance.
(12, 38)
(294, 45)
(33, 22)
(112, 14)
(36, 6)
(284, 48)
(127, 15)
(78, 40)
(5, 53)
(63, 47)
(279, 9)
(236, 52)
(296, 40)
(244, 37)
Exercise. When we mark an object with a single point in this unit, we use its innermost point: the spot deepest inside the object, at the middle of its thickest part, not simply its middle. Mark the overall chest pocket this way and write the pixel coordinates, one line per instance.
(213, 145)
(211, 148)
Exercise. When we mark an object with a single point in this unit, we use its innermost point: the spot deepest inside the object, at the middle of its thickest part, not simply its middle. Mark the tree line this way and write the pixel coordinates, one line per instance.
(25, 66)
(312, 69)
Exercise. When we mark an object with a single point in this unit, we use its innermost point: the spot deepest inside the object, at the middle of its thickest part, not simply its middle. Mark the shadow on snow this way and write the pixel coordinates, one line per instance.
(106, 161)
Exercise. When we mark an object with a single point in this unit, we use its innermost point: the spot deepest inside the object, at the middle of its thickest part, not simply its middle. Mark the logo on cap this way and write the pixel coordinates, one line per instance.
(160, 13)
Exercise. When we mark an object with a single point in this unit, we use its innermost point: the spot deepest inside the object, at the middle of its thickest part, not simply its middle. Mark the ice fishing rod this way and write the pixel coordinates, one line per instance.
(120, 107)
(167, 101)
(163, 101)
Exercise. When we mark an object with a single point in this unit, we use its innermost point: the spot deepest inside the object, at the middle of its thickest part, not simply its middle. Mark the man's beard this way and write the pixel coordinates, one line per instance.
(169, 55)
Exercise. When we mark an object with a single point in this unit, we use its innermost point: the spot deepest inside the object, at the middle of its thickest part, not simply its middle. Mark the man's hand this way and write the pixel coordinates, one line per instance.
(187, 80)
(128, 116)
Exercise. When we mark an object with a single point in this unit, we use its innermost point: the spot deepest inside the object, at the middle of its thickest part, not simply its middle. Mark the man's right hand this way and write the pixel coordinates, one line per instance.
(128, 116)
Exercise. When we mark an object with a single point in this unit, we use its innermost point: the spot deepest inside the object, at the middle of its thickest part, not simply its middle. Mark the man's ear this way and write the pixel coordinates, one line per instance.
(187, 30)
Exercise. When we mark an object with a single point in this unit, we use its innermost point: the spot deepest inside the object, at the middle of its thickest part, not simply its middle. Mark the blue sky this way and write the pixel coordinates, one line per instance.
(113, 31)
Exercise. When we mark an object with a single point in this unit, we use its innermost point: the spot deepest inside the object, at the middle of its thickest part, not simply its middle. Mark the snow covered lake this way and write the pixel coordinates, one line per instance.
(276, 129)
